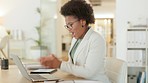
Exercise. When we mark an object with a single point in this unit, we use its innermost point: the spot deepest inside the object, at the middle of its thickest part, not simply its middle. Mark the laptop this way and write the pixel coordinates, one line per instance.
(33, 77)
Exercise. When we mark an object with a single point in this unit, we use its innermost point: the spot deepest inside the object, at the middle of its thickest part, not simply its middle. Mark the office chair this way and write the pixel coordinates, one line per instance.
(116, 70)
(3, 43)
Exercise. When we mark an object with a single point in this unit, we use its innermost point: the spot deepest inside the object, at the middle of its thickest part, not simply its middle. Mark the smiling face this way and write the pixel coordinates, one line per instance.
(74, 26)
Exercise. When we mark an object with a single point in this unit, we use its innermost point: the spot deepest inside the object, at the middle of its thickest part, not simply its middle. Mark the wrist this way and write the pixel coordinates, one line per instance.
(60, 62)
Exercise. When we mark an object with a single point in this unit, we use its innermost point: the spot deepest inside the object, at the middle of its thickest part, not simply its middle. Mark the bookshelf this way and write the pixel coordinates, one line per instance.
(137, 51)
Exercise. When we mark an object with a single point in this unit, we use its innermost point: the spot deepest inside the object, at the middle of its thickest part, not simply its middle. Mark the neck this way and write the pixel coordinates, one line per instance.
(85, 31)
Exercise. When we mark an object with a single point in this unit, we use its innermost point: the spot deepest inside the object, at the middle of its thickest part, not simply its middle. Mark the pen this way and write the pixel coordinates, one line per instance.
(57, 81)
(3, 53)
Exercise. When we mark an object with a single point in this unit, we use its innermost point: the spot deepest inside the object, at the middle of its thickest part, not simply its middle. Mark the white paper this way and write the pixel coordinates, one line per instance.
(43, 70)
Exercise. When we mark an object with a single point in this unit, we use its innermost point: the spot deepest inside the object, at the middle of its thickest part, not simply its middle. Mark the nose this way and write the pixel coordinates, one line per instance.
(70, 29)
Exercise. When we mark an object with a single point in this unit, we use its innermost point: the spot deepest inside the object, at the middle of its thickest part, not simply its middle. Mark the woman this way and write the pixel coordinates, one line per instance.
(87, 52)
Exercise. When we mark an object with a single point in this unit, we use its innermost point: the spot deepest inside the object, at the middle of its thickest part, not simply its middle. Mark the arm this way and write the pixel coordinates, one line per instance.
(94, 60)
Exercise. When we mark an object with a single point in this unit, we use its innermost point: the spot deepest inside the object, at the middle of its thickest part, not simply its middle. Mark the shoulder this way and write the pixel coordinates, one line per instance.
(96, 36)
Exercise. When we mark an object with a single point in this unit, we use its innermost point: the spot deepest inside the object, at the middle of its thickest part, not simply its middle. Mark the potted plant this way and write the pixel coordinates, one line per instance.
(39, 49)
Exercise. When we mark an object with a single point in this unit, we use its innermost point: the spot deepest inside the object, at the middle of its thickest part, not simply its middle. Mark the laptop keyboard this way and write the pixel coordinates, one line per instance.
(37, 77)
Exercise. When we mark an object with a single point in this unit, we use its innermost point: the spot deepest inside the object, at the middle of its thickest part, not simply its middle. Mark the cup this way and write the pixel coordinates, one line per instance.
(4, 64)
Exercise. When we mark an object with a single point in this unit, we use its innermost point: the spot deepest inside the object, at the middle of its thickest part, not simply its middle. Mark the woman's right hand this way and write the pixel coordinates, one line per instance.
(50, 61)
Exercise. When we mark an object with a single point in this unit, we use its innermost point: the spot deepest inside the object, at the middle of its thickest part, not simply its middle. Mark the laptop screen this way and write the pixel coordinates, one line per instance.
(21, 67)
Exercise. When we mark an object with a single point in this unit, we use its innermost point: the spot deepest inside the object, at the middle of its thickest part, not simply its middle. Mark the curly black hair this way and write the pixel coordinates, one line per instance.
(79, 9)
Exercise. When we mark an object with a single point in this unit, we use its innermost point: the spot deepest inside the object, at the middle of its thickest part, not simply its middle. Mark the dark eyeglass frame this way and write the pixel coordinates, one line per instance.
(69, 25)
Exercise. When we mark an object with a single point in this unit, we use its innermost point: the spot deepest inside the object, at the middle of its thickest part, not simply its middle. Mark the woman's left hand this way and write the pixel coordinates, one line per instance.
(50, 61)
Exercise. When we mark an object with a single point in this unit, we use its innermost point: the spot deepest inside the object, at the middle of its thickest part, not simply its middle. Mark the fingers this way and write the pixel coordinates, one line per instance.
(47, 60)
(50, 61)
(42, 61)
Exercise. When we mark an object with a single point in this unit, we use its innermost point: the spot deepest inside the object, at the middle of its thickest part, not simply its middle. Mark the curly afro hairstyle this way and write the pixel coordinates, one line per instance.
(80, 9)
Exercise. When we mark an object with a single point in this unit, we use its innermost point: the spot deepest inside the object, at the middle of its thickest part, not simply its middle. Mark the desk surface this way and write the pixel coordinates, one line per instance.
(12, 75)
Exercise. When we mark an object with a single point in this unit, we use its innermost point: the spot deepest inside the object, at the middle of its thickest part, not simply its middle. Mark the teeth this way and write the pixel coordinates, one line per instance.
(72, 33)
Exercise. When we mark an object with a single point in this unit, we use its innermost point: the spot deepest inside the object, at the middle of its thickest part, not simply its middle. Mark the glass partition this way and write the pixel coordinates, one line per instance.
(31, 25)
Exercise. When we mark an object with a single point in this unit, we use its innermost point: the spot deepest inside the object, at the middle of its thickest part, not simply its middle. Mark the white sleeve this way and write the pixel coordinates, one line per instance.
(94, 61)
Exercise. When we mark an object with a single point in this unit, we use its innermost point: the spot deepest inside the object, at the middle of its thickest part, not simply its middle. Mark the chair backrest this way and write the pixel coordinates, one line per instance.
(3, 42)
(116, 70)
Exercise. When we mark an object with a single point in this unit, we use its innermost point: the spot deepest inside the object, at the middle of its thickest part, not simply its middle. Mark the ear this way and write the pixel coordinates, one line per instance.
(83, 22)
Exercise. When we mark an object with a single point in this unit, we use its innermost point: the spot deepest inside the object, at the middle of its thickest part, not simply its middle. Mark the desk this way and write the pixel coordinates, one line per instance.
(12, 75)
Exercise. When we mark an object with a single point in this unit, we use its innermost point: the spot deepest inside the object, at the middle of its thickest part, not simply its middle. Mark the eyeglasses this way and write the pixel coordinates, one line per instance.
(69, 25)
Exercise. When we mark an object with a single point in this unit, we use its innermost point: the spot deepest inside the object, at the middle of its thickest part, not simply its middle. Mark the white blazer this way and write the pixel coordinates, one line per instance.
(88, 58)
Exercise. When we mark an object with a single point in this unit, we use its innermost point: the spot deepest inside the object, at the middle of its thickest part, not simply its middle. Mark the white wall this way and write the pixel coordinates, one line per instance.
(22, 15)
(106, 10)
(128, 10)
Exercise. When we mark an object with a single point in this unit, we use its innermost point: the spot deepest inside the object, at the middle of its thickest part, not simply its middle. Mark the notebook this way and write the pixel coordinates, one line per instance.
(33, 77)
(43, 71)
(39, 69)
